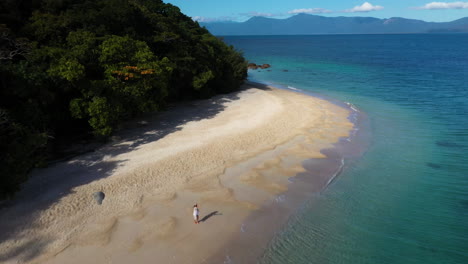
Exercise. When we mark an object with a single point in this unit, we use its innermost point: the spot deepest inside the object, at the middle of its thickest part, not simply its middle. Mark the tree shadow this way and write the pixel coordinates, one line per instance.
(27, 251)
(206, 217)
(47, 186)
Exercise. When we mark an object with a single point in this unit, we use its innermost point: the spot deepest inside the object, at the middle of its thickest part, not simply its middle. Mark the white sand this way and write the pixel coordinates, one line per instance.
(230, 154)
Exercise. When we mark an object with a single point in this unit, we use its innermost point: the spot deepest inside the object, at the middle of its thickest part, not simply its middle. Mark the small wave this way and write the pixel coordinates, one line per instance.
(294, 88)
(353, 116)
(352, 106)
(340, 168)
(353, 132)
(280, 198)
(352, 119)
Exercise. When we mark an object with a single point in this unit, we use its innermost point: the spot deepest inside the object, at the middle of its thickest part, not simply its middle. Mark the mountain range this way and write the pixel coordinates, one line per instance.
(305, 24)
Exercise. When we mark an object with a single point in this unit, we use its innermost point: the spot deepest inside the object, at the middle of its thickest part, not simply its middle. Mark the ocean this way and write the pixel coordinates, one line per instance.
(405, 200)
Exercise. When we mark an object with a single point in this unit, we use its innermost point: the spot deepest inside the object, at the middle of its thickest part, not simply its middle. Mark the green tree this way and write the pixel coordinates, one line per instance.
(75, 67)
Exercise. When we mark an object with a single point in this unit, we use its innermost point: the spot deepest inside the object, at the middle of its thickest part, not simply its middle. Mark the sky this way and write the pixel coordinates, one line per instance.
(241, 10)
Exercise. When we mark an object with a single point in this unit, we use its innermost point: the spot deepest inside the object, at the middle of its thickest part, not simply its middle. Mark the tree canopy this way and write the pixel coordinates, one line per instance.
(83, 66)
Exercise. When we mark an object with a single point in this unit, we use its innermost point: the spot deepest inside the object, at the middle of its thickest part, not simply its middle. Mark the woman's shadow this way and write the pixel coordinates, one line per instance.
(209, 215)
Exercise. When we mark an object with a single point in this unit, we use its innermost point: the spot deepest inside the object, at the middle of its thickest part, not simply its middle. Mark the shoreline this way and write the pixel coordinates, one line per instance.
(146, 212)
(258, 232)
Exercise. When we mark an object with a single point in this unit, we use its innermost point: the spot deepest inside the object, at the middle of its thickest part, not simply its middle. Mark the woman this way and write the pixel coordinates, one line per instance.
(196, 213)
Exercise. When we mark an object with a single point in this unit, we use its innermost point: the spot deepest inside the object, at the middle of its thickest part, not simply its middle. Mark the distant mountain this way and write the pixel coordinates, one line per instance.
(305, 24)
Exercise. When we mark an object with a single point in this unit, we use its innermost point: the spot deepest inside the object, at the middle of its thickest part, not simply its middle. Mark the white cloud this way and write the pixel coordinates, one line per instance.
(366, 7)
(213, 19)
(309, 11)
(445, 5)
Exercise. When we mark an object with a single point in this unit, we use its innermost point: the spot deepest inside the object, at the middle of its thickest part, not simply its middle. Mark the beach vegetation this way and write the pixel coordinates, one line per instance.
(82, 67)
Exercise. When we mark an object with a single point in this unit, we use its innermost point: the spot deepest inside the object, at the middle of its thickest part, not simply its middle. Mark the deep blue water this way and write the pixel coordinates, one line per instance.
(406, 199)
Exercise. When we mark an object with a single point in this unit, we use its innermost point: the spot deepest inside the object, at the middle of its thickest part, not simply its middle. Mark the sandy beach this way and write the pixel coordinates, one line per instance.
(231, 154)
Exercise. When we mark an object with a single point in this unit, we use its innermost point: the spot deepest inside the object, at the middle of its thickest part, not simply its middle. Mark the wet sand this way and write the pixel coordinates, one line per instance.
(233, 155)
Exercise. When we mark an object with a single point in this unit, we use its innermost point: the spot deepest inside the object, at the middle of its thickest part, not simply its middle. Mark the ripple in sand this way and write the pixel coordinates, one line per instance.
(154, 229)
(98, 234)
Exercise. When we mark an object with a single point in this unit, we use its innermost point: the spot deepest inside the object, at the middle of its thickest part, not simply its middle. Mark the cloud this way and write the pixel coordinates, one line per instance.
(366, 7)
(444, 5)
(255, 13)
(309, 11)
(213, 19)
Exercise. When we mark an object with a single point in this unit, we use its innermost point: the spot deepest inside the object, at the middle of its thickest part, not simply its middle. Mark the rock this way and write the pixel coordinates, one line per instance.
(252, 66)
(99, 197)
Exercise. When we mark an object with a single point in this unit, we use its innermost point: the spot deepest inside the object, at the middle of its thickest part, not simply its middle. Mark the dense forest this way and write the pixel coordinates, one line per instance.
(81, 67)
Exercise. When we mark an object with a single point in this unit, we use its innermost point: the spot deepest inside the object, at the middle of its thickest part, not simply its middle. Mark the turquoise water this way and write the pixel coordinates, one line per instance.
(406, 199)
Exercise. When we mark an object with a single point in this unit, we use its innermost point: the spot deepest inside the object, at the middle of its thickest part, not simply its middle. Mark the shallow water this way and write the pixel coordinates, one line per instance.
(406, 199)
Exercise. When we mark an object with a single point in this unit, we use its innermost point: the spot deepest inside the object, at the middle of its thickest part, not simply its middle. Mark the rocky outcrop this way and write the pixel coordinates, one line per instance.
(253, 66)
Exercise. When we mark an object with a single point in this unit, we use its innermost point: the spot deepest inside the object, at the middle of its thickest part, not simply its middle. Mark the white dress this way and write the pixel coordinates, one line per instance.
(195, 213)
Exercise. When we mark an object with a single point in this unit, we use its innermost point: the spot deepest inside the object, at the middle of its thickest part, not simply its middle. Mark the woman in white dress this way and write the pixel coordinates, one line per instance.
(196, 213)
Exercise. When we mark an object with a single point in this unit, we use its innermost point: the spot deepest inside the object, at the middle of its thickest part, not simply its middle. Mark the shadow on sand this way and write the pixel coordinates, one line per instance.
(206, 217)
(47, 186)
